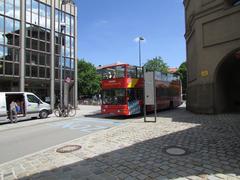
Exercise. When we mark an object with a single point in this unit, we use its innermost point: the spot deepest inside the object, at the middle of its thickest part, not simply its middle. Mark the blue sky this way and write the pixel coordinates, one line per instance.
(107, 29)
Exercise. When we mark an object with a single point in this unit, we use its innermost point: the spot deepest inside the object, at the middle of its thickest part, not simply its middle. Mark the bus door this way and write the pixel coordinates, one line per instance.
(133, 102)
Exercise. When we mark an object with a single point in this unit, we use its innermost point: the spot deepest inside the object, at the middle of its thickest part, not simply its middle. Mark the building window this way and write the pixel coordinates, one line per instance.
(28, 43)
(48, 73)
(72, 64)
(35, 31)
(1, 6)
(57, 61)
(16, 55)
(9, 6)
(1, 52)
(41, 72)
(1, 67)
(42, 34)
(34, 71)
(8, 54)
(42, 46)
(17, 9)
(35, 44)
(9, 25)
(27, 71)
(16, 69)
(34, 58)
(72, 25)
(56, 73)
(28, 56)
(67, 63)
(1, 29)
(28, 10)
(42, 15)
(48, 17)
(48, 60)
(42, 59)
(35, 6)
(12, 31)
(8, 68)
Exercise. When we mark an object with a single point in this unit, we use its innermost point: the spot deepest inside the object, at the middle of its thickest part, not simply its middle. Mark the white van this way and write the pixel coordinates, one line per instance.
(30, 105)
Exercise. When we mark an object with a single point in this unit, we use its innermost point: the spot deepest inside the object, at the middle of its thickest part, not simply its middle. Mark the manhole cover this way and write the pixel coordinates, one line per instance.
(68, 149)
(175, 151)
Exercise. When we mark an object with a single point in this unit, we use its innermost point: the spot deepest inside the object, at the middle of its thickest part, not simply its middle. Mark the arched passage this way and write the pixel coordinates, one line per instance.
(228, 84)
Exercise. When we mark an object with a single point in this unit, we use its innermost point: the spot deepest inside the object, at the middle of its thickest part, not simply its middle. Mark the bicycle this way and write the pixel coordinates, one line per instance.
(68, 111)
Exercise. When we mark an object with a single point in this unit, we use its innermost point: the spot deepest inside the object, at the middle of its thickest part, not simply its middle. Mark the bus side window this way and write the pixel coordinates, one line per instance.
(132, 72)
(139, 72)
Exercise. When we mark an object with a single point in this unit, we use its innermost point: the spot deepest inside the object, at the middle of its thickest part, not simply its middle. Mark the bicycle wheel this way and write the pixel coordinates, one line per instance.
(72, 111)
(65, 113)
(57, 113)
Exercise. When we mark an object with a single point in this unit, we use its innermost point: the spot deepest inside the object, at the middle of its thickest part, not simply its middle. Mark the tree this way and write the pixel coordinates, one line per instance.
(156, 64)
(182, 71)
(88, 79)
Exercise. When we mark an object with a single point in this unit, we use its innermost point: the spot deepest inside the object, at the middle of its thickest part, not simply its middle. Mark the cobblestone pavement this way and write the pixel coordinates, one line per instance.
(136, 151)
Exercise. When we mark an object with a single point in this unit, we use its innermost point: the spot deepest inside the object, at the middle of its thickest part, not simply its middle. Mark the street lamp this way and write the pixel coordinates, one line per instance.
(140, 58)
(62, 26)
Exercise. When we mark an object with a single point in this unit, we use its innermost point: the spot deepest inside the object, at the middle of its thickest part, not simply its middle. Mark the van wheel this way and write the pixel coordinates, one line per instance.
(43, 114)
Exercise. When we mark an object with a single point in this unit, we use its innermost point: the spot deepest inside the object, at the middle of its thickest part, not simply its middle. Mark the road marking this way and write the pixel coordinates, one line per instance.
(90, 128)
(85, 125)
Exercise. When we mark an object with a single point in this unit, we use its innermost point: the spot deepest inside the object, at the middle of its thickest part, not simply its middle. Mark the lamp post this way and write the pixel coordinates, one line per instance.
(140, 55)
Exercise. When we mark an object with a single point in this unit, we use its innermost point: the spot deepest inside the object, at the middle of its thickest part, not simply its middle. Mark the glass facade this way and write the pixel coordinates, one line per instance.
(9, 37)
(68, 50)
(39, 21)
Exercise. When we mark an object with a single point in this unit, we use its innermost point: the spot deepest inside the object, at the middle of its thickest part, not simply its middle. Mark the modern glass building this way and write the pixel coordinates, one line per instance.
(31, 51)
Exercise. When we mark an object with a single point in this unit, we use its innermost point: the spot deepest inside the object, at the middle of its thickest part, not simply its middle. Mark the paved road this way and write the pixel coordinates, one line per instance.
(22, 141)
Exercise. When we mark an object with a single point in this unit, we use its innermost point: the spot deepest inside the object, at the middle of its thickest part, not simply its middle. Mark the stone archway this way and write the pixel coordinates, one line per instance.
(228, 84)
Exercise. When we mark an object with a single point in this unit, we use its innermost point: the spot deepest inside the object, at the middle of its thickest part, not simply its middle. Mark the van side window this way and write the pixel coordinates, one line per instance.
(32, 99)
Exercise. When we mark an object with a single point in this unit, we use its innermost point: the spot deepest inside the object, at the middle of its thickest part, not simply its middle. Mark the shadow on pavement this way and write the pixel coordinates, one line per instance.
(19, 121)
(114, 117)
(213, 149)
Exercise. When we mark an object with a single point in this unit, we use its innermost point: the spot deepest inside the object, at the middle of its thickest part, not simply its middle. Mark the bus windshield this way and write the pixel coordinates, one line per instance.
(114, 72)
(114, 97)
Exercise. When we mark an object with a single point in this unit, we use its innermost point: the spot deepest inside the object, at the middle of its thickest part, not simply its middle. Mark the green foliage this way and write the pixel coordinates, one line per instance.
(156, 64)
(88, 79)
(182, 71)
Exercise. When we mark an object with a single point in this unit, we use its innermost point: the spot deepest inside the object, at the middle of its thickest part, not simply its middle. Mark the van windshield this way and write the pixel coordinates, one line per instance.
(33, 99)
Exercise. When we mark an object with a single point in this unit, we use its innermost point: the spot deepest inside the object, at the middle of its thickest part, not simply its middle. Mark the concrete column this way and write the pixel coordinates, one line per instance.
(52, 83)
(76, 63)
(22, 47)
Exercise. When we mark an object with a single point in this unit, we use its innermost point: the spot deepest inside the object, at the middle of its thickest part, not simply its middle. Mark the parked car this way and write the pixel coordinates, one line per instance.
(30, 106)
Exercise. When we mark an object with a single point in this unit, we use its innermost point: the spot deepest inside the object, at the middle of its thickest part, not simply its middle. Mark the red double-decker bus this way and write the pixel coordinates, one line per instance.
(122, 90)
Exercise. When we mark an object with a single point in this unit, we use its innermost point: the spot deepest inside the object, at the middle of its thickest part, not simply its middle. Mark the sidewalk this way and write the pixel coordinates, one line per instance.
(137, 151)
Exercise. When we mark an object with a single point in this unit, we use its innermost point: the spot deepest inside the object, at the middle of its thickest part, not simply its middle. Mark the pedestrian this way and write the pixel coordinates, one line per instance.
(13, 112)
